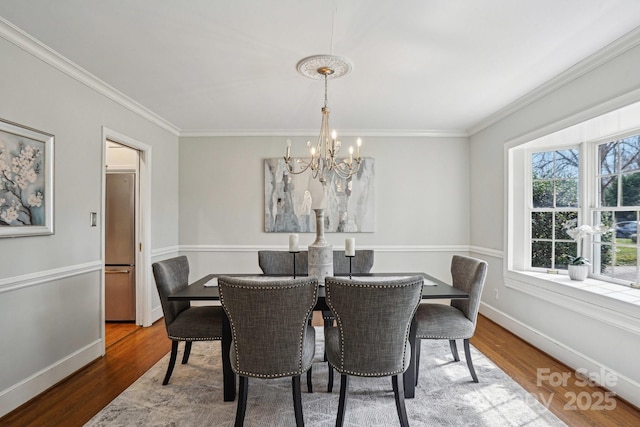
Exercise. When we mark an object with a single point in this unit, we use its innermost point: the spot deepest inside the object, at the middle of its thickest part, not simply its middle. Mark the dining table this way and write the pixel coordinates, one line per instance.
(206, 289)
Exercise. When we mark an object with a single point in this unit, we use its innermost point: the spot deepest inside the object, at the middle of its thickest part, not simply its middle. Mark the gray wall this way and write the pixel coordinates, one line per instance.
(579, 340)
(50, 286)
(422, 202)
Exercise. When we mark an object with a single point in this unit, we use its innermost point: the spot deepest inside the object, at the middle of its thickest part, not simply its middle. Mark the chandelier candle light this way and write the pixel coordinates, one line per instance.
(323, 155)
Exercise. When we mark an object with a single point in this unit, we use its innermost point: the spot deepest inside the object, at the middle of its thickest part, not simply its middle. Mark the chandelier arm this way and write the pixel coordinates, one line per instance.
(324, 158)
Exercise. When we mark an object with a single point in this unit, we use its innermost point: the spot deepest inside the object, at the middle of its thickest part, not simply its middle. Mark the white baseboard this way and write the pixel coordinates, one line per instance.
(624, 387)
(30, 387)
(156, 314)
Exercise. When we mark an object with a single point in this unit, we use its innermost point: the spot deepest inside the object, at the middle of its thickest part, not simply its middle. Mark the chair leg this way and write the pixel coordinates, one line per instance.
(309, 382)
(242, 401)
(467, 355)
(344, 385)
(327, 324)
(454, 350)
(187, 351)
(330, 384)
(172, 361)
(398, 390)
(297, 400)
(418, 344)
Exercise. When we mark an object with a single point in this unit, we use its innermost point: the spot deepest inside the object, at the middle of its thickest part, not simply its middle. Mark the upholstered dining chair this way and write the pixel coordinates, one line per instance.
(271, 334)
(371, 336)
(183, 322)
(457, 320)
(362, 262)
(281, 262)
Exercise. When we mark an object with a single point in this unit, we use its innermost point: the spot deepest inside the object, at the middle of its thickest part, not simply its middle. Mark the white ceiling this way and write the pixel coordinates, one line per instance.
(229, 66)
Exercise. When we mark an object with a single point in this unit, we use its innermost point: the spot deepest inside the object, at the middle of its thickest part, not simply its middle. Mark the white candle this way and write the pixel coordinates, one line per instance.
(350, 246)
(293, 243)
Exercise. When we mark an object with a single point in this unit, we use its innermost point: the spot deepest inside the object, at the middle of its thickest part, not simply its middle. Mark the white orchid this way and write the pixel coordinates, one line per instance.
(584, 230)
(579, 233)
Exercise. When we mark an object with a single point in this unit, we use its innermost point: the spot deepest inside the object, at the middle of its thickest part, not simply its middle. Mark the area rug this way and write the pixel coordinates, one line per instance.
(445, 396)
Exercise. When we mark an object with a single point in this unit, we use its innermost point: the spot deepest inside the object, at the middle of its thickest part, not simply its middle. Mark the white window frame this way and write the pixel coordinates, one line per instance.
(593, 297)
(529, 197)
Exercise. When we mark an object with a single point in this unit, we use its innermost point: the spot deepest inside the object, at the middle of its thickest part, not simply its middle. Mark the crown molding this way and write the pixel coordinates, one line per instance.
(29, 44)
(284, 133)
(604, 55)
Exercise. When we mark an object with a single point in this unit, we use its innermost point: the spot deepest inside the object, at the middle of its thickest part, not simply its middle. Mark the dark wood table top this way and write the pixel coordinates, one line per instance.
(432, 289)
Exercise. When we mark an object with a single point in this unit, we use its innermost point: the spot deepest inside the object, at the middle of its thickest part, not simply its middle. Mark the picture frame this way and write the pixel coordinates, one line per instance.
(288, 200)
(26, 181)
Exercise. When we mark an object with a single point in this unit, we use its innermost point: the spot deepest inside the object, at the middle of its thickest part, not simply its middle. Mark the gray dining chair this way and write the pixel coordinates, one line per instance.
(271, 334)
(457, 320)
(371, 336)
(281, 262)
(362, 262)
(182, 321)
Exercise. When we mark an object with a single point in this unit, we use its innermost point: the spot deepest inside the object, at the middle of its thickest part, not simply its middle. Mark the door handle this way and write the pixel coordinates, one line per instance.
(116, 271)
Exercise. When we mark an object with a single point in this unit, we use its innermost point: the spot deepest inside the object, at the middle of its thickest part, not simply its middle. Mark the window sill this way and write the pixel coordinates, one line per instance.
(606, 302)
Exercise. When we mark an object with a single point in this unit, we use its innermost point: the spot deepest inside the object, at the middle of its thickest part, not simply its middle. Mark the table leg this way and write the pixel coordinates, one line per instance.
(228, 377)
(409, 376)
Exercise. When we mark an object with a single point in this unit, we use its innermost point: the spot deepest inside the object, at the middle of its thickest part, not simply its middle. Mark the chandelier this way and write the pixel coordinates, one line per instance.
(323, 158)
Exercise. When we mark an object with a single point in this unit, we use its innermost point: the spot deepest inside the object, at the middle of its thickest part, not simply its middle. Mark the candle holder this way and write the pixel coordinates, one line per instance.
(294, 262)
(350, 258)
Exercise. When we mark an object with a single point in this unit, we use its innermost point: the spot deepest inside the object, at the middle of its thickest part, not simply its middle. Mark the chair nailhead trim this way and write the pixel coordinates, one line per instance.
(340, 327)
(214, 338)
(301, 369)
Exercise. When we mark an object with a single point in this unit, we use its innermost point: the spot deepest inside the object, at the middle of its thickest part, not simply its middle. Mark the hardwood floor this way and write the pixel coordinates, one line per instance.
(130, 353)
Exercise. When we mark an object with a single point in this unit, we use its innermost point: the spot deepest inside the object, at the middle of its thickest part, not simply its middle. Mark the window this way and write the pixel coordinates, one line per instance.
(554, 201)
(611, 189)
(618, 207)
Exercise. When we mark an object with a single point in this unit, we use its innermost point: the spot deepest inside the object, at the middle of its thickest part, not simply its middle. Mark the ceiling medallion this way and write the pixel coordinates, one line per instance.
(320, 66)
(323, 158)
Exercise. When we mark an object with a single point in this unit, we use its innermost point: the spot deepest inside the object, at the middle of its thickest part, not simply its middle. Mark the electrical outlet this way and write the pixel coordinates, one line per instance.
(495, 293)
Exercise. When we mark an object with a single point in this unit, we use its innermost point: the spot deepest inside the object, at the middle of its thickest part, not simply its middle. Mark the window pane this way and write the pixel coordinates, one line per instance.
(608, 191)
(631, 189)
(565, 220)
(542, 194)
(567, 193)
(542, 165)
(564, 250)
(541, 225)
(608, 155)
(541, 254)
(566, 165)
(630, 153)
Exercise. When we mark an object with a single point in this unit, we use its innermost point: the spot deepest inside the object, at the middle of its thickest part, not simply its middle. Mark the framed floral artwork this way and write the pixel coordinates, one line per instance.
(26, 181)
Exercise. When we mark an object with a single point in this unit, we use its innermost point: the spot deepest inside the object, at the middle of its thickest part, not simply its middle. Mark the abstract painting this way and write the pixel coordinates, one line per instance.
(288, 201)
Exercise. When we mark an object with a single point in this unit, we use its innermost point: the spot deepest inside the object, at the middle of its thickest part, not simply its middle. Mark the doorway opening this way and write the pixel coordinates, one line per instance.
(121, 218)
(125, 231)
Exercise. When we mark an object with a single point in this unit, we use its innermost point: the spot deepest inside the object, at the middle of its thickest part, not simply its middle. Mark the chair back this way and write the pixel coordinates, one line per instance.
(468, 274)
(281, 262)
(373, 321)
(170, 276)
(362, 262)
(269, 324)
